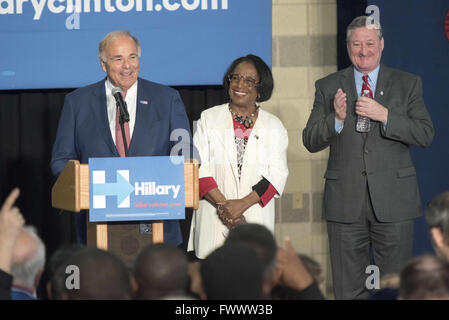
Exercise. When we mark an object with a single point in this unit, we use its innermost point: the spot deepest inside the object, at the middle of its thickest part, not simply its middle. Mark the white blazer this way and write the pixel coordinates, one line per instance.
(265, 156)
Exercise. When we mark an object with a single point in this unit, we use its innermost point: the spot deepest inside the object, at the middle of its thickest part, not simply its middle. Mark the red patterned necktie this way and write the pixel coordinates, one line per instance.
(118, 132)
(366, 86)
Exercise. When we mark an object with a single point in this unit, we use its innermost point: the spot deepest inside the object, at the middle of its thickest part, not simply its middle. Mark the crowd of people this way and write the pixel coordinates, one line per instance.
(368, 115)
(248, 266)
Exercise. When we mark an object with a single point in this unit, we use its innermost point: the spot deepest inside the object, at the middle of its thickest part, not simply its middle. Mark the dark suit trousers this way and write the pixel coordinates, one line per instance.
(354, 246)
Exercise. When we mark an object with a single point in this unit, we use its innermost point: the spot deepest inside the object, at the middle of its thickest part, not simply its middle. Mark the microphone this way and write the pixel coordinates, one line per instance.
(121, 104)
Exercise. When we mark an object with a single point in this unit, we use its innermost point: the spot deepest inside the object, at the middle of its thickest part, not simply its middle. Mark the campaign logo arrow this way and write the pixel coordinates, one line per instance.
(122, 189)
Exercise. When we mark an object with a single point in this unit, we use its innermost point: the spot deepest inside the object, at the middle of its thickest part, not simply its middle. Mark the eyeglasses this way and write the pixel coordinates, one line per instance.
(249, 82)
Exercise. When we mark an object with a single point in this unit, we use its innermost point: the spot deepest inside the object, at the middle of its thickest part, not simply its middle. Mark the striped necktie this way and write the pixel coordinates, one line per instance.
(118, 133)
(366, 86)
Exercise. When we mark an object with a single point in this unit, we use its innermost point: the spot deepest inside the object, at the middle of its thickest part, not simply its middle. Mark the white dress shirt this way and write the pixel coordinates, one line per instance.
(131, 102)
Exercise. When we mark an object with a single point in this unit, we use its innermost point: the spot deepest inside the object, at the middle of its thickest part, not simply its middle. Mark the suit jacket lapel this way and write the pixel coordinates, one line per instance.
(250, 158)
(225, 132)
(146, 113)
(347, 83)
(382, 88)
(99, 110)
(383, 85)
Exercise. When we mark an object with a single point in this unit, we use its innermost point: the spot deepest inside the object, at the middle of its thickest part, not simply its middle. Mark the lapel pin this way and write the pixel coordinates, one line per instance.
(381, 93)
(143, 101)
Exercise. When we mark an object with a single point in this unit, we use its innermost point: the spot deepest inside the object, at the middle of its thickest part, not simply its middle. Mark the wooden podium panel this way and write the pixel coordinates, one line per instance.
(71, 193)
(122, 238)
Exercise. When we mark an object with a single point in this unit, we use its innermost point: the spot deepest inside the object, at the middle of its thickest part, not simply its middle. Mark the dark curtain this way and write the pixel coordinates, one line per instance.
(347, 10)
(28, 124)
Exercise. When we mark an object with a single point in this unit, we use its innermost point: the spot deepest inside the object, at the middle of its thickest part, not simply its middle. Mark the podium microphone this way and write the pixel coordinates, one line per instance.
(121, 104)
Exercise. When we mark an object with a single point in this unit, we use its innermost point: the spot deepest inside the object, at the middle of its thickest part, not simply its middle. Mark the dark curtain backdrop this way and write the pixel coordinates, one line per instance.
(415, 41)
(347, 10)
(28, 124)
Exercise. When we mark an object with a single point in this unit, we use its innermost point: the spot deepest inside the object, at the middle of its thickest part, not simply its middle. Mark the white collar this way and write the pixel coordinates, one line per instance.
(110, 86)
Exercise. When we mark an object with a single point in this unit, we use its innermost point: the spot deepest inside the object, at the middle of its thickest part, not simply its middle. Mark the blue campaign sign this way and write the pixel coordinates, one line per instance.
(136, 189)
(54, 43)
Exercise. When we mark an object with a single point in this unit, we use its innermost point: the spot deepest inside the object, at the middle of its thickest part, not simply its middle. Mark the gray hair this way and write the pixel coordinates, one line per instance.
(437, 214)
(111, 36)
(27, 270)
(362, 22)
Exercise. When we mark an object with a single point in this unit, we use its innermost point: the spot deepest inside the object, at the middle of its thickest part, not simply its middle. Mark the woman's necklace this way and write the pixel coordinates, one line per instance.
(247, 121)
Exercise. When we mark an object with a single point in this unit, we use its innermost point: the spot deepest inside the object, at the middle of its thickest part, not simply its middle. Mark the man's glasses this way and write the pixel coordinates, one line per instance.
(249, 82)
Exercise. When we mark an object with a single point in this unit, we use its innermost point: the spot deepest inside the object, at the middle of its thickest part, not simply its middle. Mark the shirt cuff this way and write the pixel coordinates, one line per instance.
(206, 184)
(268, 195)
(339, 125)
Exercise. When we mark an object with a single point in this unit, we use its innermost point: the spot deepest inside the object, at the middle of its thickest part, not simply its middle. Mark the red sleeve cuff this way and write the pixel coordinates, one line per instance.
(267, 196)
(206, 184)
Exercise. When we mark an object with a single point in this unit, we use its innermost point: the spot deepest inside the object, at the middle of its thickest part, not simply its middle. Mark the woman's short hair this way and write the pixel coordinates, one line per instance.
(265, 87)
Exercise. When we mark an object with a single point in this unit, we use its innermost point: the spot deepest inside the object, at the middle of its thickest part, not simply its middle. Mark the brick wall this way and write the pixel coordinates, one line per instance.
(304, 50)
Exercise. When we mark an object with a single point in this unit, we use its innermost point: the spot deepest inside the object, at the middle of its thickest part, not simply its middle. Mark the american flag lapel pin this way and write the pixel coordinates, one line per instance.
(144, 101)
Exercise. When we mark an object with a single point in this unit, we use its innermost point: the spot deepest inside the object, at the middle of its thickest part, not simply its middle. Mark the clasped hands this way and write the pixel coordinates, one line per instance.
(364, 106)
(231, 212)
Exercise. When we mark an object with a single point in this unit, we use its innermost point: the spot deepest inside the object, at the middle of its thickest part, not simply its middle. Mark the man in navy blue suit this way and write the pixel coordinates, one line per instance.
(88, 126)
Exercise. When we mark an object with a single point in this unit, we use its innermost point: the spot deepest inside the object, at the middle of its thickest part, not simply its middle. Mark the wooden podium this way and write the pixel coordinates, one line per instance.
(71, 193)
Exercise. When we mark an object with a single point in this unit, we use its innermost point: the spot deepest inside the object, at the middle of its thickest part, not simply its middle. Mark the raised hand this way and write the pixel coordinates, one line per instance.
(11, 223)
(291, 272)
(340, 105)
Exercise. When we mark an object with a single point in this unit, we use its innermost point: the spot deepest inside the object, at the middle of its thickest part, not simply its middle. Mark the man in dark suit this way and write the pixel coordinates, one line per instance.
(89, 127)
(371, 194)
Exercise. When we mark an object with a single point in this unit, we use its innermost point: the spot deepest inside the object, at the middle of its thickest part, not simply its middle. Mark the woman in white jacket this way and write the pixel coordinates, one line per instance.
(243, 151)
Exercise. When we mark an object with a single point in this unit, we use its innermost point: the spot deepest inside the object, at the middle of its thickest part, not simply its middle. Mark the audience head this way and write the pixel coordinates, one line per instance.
(390, 280)
(56, 270)
(389, 288)
(103, 276)
(161, 270)
(232, 272)
(425, 278)
(28, 258)
(262, 241)
(437, 216)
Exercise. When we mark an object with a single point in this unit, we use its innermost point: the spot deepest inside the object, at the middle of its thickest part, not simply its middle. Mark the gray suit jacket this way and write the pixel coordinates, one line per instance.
(381, 159)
